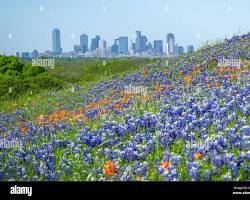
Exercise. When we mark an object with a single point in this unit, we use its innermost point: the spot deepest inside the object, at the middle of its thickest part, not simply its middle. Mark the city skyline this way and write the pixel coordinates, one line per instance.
(27, 26)
(98, 47)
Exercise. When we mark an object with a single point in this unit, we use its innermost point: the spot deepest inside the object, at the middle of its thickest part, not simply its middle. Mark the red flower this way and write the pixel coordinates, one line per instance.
(164, 164)
(109, 168)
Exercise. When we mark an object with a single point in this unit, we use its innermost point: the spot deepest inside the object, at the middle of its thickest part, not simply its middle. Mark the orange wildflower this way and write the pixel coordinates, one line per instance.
(158, 88)
(197, 156)
(125, 99)
(81, 108)
(145, 72)
(187, 80)
(109, 168)
(164, 164)
(106, 110)
(92, 105)
(222, 69)
(104, 101)
(217, 84)
(76, 116)
(24, 129)
(59, 115)
(41, 119)
(209, 85)
(232, 76)
(117, 105)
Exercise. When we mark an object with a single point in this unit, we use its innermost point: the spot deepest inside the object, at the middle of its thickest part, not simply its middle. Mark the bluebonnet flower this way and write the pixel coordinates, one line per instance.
(245, 130)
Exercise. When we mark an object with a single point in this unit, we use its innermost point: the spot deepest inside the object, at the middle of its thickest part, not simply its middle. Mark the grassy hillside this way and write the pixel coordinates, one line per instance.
(191, 121)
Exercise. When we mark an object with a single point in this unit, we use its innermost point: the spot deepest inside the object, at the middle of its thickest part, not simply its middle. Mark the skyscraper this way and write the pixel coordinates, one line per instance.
(144, 43)
(133, 46)
(170, 45)
(56, 42)
(190, 48)
(180, 50)
(95, 43)
(158, 48)
(102, 49)
(78, 49)
(18, 54)
(84, 42)
(114, 49)
(25, 55)
(117, 41)
(138, 42)
(123, 45)
(34, 54)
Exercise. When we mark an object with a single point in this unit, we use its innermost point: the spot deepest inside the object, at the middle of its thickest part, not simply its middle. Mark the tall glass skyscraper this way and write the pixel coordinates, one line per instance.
(56, 42)
(138, 42)
(123, 45)
(170, 44)
(84, 42)
(158, 48)
(180, 50)
(144, 41)
(95, 43)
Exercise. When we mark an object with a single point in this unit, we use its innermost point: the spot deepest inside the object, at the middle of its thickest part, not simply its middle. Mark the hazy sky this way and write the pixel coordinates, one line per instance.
(27, 24)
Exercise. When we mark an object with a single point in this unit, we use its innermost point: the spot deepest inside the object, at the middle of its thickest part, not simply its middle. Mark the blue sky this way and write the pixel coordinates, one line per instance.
(27, 24)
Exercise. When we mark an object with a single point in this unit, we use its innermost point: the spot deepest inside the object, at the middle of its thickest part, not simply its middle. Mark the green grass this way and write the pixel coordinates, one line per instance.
(82, 72)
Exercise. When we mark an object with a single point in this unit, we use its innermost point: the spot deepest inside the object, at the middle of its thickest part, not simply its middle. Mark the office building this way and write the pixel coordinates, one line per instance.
(34, 54)
(158, 47)
(95, 43)
(114, 49)
(171, 47)
(123, 45)
(144, 41)
(138, 42)
(84, 42)
(25, 55)
(180, 50)
(56, 42)
(102, 49)
(78, 49)
(18, 54)
(190, 48)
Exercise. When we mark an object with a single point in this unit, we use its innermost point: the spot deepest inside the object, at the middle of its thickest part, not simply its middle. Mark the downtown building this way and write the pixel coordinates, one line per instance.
(84, 43)
(158, 47)
(95, 43)
(190, 48)
(172, 49)
(101, 51)
(56, 42)
(123, 45)
(140, 43)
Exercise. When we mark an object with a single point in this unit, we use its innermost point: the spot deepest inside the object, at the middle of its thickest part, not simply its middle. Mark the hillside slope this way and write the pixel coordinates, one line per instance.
(187, 120)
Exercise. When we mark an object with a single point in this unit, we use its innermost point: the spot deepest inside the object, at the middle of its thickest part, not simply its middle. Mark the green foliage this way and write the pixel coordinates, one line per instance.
(46, 81)
(10, 63)
(29, 70)
(12, 86)
(17, 78)
(24, 79)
